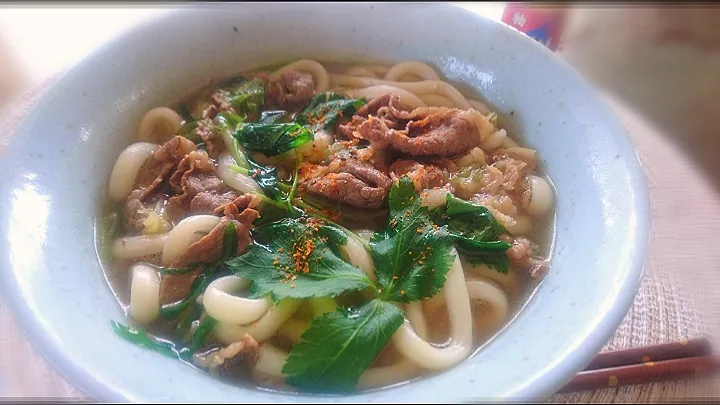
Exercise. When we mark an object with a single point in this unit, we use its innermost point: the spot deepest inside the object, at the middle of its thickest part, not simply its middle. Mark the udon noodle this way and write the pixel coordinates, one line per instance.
(368, 163)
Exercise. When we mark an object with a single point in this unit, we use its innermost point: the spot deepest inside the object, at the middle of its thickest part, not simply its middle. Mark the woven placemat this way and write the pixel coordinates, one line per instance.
(675, 301)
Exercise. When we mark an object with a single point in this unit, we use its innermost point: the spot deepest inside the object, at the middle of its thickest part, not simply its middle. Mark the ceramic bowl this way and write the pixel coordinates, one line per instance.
(61, 155)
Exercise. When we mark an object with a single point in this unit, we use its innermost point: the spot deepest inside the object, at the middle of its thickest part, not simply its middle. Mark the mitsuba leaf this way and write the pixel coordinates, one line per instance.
(325, 108)
(296, 258)
(272, 139)
(338, 346)
(246, 97)
(412, 254)
(476, 233)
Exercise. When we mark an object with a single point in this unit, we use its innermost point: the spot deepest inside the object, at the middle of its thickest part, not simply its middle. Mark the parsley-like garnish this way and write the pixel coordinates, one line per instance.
(297, 258)
(325, 108)
(338, 346)
(412, 254)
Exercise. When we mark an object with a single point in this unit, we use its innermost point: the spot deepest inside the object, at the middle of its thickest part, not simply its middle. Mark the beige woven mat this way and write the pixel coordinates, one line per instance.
(674, 302)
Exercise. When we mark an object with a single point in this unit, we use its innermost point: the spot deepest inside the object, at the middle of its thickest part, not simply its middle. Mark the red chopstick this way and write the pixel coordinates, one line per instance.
(663, 362)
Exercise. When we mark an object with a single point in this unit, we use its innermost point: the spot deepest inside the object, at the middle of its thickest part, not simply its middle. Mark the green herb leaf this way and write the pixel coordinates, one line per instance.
(295, 258)
(189, 131)
(246, 97)
(411, 254)
(338, 346)
(476, 233)
(147, 341)
(225, 120)
(166, 347)
(325, 108)
(192, 315)
(201, 333)
(272, 139)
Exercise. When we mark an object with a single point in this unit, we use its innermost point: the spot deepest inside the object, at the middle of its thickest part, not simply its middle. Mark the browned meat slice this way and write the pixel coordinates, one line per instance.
(346, 188)
(236, 209)
(206, 202)
(174, 150)
(383, 108)
(155, 170)
(293, 90)
(521, 254)
(424, 176)
(444, 133)
(227, 204)
(347, 180)
(363, 171)
(207, 250)
(214, 144)
(194, 175)
(237, 360)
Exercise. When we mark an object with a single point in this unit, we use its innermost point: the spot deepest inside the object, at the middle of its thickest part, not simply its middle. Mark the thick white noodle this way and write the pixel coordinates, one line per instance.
(527, 155)
(402, 370)
(225, 307)
(377, 377)
(480, 106)
(144, 294)
(424, 87)
(380, 70)
(270, 361)
(263, 329)
(418, 69)
(433, 198)
(540, 198)
(131, 247)
(322, 80)
(180, 237)
(436, 100)
(522, 225)
(126, 169)
(407, 98)
(230, 143)
(508, 142)
(159, 125)
(238, 181)
(494, 140)
(414, 314)
(490, 294)
(432, 357)
(507, 281)
(360, 72)
(355, 253)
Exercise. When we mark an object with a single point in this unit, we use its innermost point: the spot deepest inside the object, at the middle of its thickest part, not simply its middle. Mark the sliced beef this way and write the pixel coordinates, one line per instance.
(212, 139)
(346, 188)
(522, 255)
(445, 133)
(382, 108)
(164, 161)
(292, 91)
(236, 361)
(347, 180)
(136, 212)
(194, 174)
(424, 176)
(207, 250)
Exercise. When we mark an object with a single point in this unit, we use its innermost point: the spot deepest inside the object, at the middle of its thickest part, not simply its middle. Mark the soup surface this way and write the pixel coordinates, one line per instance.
(323, 227)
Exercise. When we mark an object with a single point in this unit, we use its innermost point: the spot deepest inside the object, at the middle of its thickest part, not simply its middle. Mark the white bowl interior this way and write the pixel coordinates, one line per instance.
(62, 154)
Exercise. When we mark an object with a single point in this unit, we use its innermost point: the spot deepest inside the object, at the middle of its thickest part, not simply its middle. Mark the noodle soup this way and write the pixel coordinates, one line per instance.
(324, 228)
